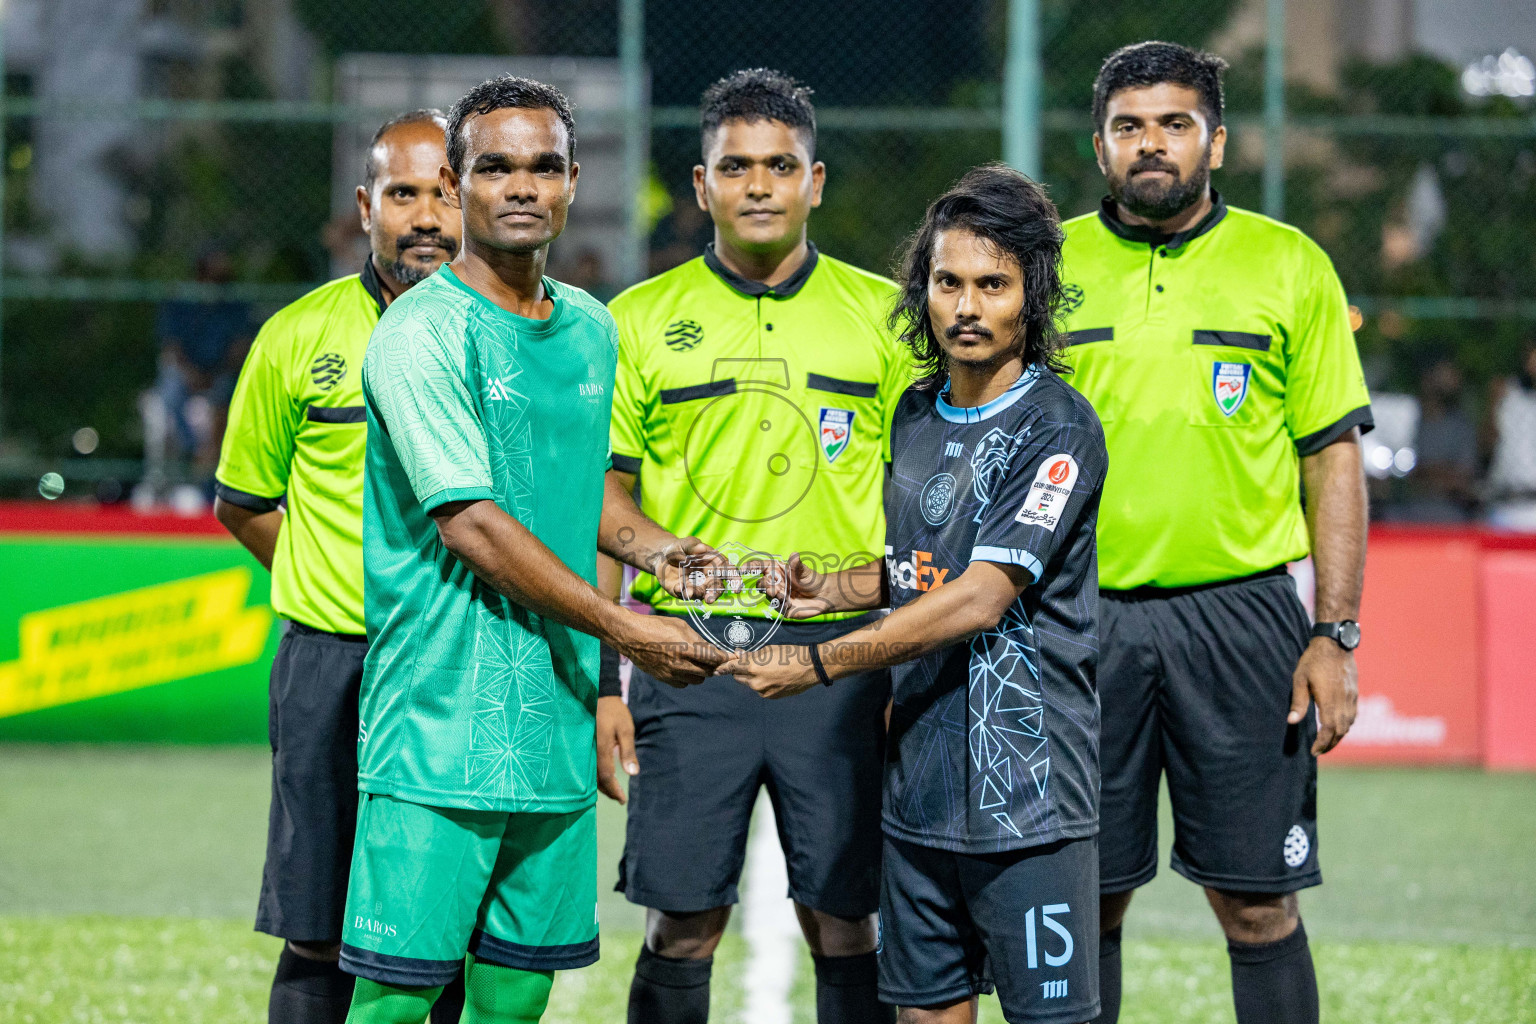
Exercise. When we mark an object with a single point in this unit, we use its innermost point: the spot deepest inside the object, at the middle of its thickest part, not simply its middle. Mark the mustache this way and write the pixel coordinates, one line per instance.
(1152, 163)
(436, 238)
(953, 331)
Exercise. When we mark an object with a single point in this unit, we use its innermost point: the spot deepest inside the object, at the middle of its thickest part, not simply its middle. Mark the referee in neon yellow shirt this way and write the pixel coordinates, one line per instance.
(1215, 345)
(296, 435)
(753, 399)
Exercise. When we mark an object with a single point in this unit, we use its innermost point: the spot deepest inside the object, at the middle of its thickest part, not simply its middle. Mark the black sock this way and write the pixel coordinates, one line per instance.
(1109, 977)
(306, 991)
(1273, 982)
(668, 991)
(846, 991)
(450, 1004)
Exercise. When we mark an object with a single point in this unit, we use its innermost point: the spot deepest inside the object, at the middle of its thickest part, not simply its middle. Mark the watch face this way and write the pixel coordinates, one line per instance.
(1349, 635)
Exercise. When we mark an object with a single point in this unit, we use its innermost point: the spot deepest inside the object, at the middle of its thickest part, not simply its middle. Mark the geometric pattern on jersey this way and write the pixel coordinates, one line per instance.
(1008, 718)
(994, 741)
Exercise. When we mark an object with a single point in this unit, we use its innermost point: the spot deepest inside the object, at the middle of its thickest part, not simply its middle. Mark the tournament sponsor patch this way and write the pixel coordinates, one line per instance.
(1049, 493)
(836, 428)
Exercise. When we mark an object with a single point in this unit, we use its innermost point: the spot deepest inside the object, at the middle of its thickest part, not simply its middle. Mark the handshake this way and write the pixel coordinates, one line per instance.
(669, 649)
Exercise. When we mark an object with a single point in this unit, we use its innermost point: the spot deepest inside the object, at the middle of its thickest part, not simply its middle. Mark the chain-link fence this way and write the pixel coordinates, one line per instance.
(160, 154)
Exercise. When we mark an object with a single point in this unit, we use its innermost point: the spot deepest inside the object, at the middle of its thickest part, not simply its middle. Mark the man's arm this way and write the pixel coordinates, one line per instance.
(256, 530)
(950, 614)
(615, 726)
(1337, 520)
(508, 557)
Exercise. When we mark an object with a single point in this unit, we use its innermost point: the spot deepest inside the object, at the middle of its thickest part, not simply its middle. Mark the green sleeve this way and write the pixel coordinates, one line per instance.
(264, 418)
(627, 428)
(415, 380)
(899, 375)
(1325, 391)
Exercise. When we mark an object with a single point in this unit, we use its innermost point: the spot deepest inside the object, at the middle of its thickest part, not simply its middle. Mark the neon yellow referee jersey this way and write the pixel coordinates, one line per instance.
(1215, 359)
(297, 428)
(760, 417)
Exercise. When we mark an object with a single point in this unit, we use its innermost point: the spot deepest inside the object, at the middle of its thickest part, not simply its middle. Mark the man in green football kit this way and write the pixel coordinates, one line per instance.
(488, 390)
(1215, 345)
(753, 402)
(296, 430)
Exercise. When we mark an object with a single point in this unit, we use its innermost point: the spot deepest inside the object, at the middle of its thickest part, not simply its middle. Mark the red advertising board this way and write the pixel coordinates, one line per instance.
(1509, 656)
(1420, 653)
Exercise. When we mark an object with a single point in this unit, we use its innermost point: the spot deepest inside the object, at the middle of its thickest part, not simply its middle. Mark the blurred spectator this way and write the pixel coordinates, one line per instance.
(1512, 432)
(681, 235)
(1440, 484)
(202, 344)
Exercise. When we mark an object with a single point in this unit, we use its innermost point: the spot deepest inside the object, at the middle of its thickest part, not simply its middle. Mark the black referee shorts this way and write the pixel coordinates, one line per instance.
(312, 723)
(705, 751)
(1196, 682)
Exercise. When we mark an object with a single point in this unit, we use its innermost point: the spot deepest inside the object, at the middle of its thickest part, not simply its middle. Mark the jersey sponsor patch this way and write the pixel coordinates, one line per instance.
(836, 429)
(1229, 383)
(1049, 493)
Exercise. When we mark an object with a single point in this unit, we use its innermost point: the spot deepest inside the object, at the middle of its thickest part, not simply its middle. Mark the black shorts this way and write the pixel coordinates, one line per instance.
(312, 723)
(704, 751)
(953, 925)
(1197, 682)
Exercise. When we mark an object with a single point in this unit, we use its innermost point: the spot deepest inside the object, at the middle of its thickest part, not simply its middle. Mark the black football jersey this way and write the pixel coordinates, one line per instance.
(994, 742)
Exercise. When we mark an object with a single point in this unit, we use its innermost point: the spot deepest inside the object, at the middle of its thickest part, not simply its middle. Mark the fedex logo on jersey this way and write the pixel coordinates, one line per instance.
(916, 573)
(1049, 492)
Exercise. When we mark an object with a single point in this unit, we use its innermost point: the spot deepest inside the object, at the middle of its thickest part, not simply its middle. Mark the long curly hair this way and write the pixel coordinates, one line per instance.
(1013, 214)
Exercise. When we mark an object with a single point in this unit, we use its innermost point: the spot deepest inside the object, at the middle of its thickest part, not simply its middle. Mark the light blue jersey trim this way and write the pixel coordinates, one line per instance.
(1008, 556)
(1017, 390)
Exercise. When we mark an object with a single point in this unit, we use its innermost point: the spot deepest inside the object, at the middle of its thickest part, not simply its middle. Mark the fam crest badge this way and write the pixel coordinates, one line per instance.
(742, 617)
(836, 429)
(938, 498)
(1229, 383)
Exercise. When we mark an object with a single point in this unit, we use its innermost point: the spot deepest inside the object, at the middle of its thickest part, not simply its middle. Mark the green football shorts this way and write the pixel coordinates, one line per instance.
(430, 884)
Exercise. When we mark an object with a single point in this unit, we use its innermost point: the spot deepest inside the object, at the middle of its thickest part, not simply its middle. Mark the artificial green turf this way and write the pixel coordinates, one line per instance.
(128, 878)
(112, 970)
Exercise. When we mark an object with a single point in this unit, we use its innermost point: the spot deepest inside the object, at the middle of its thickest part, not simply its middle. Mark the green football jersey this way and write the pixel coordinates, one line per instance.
(1215, 359)
(468, 699)
(760, 417)
(296, 429)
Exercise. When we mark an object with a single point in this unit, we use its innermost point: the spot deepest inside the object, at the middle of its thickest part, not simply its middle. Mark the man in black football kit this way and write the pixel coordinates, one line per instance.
(990, 864)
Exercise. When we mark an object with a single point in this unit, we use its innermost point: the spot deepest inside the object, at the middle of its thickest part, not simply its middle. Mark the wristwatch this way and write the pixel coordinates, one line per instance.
(1346, 634)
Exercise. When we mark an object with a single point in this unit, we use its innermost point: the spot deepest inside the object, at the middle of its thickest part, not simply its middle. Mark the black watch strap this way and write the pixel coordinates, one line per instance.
(1345, 633)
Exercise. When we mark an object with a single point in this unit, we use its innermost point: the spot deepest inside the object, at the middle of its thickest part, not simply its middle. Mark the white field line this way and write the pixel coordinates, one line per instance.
(768, 924)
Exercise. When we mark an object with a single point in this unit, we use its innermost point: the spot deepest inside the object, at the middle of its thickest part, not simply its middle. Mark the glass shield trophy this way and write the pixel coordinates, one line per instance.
(742, 616)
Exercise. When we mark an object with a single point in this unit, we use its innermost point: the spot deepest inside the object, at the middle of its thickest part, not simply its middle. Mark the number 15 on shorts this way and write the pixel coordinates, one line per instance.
(1034, 949)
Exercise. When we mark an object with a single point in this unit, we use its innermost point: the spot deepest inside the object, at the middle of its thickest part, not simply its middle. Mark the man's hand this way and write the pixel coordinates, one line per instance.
(801, 591)
(670, 650)
(773, 672)
(691, 570)
(615, 736)
(1325, 674)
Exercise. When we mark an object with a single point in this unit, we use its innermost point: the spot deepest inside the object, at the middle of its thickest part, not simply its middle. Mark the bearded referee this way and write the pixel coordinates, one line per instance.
(297, 431)
(1215, 345)
(753, 398)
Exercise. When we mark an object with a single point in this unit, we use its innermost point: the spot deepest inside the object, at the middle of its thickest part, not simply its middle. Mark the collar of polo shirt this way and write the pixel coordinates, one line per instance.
(1109, 213)
(756, 289)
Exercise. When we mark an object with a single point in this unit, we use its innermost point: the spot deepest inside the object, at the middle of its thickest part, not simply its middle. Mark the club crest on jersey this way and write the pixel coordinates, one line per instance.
(937, 498)
(836, 429)
(1229, 383)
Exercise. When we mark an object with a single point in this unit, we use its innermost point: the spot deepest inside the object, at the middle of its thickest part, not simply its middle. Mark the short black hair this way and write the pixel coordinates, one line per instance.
(1013, 214)
(1153, 63)
(758, 94)
(498, 94)
(422, 116)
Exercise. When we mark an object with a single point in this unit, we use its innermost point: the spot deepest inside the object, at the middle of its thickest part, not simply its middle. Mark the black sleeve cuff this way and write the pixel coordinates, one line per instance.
(626, 464)
(1320, 439)
(608, 684)
(253, 502)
